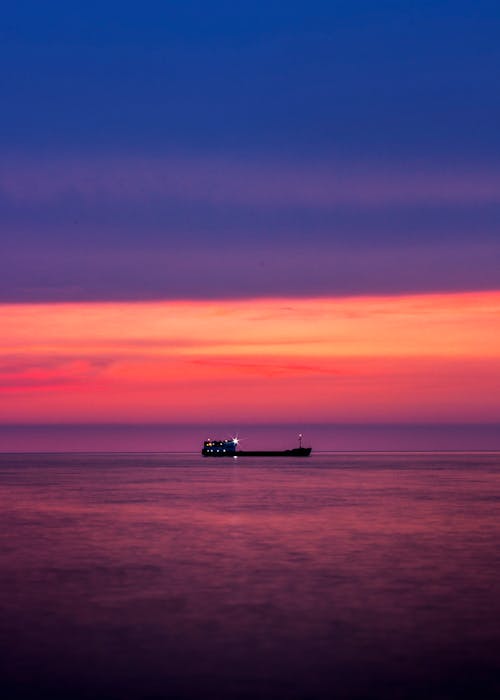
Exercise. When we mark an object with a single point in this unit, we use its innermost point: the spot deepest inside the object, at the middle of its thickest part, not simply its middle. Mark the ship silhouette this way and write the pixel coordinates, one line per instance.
(228, 448)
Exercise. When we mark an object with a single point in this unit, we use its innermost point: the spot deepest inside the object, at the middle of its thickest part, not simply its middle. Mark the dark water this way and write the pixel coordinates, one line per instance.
(167, 576)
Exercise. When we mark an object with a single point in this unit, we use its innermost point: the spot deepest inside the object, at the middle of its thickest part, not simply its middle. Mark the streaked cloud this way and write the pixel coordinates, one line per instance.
(181, 270)
(219, 180)
(419, 357)
(129, 227)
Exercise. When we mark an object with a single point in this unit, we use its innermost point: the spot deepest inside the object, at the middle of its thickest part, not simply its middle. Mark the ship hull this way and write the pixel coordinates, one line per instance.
(297, 452)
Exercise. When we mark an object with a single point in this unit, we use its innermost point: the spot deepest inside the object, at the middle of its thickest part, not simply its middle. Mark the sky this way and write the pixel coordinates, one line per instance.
(250, 212)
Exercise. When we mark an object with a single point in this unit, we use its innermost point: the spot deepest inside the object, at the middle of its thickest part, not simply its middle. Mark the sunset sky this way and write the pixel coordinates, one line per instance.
(242, 213)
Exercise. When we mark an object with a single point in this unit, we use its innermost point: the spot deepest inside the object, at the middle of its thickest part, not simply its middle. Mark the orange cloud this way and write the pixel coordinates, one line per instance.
(423, 357)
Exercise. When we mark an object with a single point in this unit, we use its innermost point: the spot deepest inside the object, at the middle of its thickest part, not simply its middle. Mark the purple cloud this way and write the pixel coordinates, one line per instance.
(225, 181)
(71, 275)
(144, 228)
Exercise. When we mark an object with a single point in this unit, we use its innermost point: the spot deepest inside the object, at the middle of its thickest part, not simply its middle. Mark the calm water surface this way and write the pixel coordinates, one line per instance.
(346, 576)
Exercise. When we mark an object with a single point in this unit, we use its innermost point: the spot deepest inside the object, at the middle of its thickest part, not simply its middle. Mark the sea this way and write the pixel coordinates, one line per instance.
(344, 575)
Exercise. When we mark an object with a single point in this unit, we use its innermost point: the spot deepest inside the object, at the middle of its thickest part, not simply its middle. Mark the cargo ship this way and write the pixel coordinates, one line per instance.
(228, 448)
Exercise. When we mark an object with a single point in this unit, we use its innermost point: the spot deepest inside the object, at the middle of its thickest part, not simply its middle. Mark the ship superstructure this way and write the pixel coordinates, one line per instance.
(220, 448)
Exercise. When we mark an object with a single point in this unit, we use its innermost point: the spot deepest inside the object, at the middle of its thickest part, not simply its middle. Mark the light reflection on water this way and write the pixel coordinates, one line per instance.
(356, 576)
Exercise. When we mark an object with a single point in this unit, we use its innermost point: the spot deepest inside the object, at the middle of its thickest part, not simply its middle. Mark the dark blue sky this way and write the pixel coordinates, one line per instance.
(357, 78)
(233, 148)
